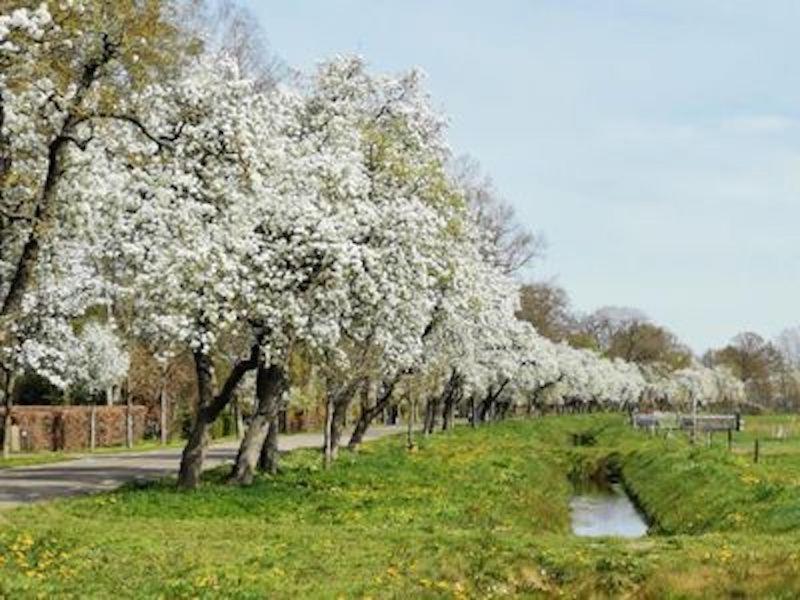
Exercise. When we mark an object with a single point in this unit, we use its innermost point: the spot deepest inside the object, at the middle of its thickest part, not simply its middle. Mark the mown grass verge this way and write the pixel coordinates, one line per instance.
(50, 457)
(472, 514)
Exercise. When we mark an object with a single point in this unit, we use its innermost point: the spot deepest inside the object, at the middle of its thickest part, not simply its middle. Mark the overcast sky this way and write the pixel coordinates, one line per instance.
(656, 144)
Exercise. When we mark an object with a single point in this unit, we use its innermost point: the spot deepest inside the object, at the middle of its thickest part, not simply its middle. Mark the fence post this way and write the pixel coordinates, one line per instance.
(163, 433)
(128, 416)
(755, 451)
(92, 428)
(730, 440)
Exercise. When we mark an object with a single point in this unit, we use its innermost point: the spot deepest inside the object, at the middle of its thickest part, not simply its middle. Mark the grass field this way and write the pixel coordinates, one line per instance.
(470, 514)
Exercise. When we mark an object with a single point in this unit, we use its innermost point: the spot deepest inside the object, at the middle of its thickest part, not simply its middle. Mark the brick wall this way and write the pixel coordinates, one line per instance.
(68, 427)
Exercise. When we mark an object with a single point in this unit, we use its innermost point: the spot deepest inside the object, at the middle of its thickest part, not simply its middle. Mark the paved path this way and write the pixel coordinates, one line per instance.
(91, 474)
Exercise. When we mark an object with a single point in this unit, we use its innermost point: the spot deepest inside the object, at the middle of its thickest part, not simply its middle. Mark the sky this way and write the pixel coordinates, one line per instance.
(655, 144)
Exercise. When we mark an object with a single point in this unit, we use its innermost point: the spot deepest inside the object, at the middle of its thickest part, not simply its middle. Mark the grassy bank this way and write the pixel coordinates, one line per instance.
(688, 489)
(471, 514)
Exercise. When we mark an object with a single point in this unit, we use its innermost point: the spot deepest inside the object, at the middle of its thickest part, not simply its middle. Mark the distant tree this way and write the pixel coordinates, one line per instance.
(788, 344)
(604, 323)
(580, 339)
(648, 343)
(753, 360)
(627, 333)
(546, 306)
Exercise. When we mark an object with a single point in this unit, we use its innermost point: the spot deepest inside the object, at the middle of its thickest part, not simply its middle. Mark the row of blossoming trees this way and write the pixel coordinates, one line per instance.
(174, 204)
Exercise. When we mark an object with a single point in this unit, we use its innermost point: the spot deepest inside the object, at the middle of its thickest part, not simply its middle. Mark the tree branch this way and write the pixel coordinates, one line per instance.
(160, 140)
(240, 369)
(13, 216)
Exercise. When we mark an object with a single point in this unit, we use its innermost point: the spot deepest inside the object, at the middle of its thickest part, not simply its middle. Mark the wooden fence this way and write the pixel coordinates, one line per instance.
(670, 421)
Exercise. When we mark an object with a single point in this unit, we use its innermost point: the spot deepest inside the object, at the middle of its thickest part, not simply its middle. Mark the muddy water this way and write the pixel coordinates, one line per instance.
(605, 510)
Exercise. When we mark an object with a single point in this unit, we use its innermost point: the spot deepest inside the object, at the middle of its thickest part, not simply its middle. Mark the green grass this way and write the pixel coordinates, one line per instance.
(36, 458)
(44, 458)
(471, 514)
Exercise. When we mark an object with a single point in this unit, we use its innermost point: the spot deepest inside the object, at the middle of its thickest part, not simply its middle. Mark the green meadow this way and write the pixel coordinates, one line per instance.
(473, 513)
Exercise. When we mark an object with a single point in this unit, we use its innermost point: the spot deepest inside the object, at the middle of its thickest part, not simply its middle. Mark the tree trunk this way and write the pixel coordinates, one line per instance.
(271, 383)
(370, 413)
(328, 449)
(531, 404)
(208, 409)
(341, 404)
(487, 405)
(438, 402)
(5, 142)
(450, 396)
(195, 451)
(412, 408)
(244, 469)
(365, 418)
(7, 381)
(428, 418)
(484, 406)
(42, 218)
(128, 418)
(339, 399)
(448, 411)
(473, 419)
(269, 460)
(43, 215)
(502, 413)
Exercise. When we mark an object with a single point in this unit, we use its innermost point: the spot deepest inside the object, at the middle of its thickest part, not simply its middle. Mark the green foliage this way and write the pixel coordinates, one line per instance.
(31, 388)
(224, 426)
(583, 340)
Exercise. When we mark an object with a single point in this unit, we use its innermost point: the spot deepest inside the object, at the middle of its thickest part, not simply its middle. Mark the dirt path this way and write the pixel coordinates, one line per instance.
(91, 474)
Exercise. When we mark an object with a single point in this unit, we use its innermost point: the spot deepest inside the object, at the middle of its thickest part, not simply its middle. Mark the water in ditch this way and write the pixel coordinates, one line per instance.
(605, 510)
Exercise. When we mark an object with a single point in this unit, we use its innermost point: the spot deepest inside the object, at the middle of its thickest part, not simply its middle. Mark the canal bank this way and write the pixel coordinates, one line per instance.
(606, 511)
(602, 504)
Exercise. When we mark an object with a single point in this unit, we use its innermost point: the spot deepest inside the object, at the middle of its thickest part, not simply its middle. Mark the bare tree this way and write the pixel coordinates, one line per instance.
(229, 27)
(604, 323)
(788, 343)
(515, 245)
